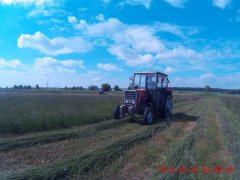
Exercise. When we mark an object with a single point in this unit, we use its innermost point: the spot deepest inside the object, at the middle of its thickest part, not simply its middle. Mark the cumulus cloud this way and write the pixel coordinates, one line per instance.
(145, 3)
(31, 2)
(130, 43)
(49, 64)
(207, 76)
(131, 57)
(109, 67)
(100, 17)
(176, 3)
(180, 53)
(15, 63)
(169, 70)
(55, 46)
(72, 19)
(221, 3)
(10, 2)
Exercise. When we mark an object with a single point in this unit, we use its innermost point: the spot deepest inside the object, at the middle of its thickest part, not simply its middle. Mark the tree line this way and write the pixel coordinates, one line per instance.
(104, 87)
(208, 89)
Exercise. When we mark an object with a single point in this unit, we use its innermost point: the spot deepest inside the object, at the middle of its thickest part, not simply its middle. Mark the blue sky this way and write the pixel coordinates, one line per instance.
(82, 42)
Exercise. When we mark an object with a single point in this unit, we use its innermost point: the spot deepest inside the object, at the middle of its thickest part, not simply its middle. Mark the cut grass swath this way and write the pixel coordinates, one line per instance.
(58, 136)
(92, 160)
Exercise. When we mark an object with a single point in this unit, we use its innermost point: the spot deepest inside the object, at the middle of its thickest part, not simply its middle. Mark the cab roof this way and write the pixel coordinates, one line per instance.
(148, 72)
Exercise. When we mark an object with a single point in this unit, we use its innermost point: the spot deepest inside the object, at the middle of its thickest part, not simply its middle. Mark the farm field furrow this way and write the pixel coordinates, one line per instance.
(201, 131)
(81, 132)
(76, 146)
(229, 117)
(141, 161)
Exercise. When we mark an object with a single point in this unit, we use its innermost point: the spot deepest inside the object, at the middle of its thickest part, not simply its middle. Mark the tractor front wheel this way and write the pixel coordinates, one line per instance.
(148, 116)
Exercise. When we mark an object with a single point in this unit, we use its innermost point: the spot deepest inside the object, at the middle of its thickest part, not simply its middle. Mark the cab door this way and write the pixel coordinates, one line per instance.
(160, 91)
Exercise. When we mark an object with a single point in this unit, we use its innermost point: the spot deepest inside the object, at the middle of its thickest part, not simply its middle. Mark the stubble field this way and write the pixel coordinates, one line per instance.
(71, 135)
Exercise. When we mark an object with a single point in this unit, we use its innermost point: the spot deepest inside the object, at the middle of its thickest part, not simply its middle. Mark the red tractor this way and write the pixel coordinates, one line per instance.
(150, 96)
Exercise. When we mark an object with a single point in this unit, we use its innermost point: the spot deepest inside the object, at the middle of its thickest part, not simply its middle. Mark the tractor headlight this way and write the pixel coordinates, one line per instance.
(133, 101)
(126, 101)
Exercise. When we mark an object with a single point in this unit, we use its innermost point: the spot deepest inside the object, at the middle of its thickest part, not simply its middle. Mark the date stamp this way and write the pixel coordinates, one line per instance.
(195, 169)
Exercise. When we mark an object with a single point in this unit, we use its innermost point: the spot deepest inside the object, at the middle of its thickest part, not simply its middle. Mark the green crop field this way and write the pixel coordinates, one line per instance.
(64, 134)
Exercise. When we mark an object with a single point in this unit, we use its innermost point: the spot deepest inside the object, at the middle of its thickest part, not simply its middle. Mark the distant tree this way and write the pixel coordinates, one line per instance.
(93, 87)
(207, 88)
(66, 88)
(80, 88)
(20, 86)
(29, 87)
(106, 87)
(37, 86)
(15, 87)
(116, 88)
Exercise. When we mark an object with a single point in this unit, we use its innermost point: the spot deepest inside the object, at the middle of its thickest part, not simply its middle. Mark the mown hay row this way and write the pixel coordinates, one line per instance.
(95, 159)
(59, 136)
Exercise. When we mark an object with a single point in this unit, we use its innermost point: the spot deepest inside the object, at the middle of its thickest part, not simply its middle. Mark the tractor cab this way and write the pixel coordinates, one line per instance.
(150, 95)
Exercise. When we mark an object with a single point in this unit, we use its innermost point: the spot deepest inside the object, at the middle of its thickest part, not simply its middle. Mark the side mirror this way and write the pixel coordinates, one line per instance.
(136, 87)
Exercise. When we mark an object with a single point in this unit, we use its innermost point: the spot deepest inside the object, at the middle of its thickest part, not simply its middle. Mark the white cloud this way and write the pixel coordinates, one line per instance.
(31, 2)
(180, 53)
(72, 19)
(180, 31)
(38, 12)
(131, 57)
(207, 76)
(130, 43)
(100, 17)
(15, 63)
(72, 63)
(49, 64)
(169, 70)
(145, 3)
(221, 3)
(176, 3)
(108, 67)
(55, 46)
(177, 79)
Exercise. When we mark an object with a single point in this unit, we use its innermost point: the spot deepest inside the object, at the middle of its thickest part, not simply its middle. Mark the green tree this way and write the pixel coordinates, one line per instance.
(207, 88)
(20, 86)
(93, 87)
(106, 87)
(116, 88)
(37, 86)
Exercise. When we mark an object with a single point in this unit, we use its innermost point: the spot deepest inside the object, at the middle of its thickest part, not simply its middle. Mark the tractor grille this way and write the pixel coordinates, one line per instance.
(130, 98)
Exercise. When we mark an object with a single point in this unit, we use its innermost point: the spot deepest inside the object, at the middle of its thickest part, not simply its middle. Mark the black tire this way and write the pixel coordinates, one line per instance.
(168, 106)
(116, 113)
(148, 116)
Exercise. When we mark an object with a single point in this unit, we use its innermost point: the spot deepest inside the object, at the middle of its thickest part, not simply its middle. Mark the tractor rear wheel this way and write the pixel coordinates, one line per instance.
(148, 116)
(116, 113)
(168, 107)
